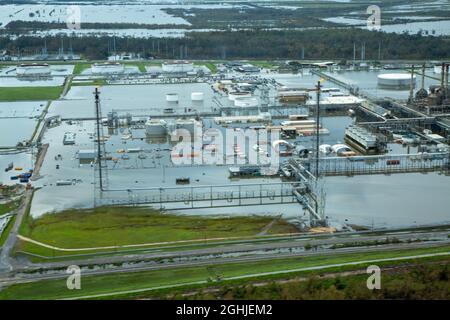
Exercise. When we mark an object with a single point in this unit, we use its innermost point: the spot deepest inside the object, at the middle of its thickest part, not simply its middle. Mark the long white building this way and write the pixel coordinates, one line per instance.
(33, 69)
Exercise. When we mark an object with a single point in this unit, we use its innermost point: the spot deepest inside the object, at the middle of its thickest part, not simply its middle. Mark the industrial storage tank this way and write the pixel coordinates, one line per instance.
(342, 150)
(325, 149)
(239, 94)
(246, 102)
(33, 69)
(107, 68)
(190, 125)
(197, 96)
(172, 97)
(177, 66)
(156, 127)
(396, 80)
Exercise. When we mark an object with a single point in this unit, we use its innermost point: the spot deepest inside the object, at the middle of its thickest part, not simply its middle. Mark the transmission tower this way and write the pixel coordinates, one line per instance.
(101, 166)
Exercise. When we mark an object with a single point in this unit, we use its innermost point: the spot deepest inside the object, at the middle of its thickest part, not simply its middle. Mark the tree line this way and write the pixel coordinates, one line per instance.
(251, 44)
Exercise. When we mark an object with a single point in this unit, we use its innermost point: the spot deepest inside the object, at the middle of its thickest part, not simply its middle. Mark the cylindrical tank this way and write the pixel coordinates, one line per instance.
(156, 127)
(197, 96)
(246, 102)
(396, 80)
(172, 97)
(239, 94)
(340, 148)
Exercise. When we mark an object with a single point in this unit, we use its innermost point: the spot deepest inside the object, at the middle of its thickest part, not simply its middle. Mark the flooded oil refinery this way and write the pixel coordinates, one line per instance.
(372, 142)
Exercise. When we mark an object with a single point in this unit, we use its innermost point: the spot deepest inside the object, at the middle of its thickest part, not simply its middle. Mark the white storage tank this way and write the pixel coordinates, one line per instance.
(172, 97)
(239, 94)
(246, 102)
(340, 148)
(396, 80)
(156, 127)
(325, 149)
(197, 96)
(190, 125)
(33, 69)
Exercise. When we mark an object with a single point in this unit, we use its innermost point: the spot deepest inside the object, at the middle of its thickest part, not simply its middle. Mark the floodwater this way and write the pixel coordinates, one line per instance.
(89, 14)
(18, 121)
(431, 28)
(155, 13)
(22, 160)
(22, 127)
(146, 99)
(367, 81)
(435, 28)
(379, 200)
(101, 13)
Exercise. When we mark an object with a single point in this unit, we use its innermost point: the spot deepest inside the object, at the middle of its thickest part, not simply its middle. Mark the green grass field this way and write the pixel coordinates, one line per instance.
(30, 93)
(80, 67)
(263, 64)
(56, 289)
(96, 82)
(9, 206)
(112, 226)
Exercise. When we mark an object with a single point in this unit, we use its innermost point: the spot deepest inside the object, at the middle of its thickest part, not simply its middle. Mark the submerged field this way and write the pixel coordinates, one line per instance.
(29, 93)
(114, 226)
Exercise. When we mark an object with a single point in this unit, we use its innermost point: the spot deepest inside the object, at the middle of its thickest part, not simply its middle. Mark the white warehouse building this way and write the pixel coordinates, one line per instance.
(33, 69)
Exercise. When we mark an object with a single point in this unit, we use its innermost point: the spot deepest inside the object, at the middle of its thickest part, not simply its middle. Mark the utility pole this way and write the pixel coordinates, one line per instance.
(99, 155)
(354, 53)
(379, 51)
(411, 86)
(317, 129)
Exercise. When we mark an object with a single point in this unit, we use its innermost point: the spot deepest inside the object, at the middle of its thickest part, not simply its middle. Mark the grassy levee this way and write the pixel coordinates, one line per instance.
(6, 231)
(30, 93)
(183, 278)
(211, 65)
(122, 226)
(9, 206)
(5, 208)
